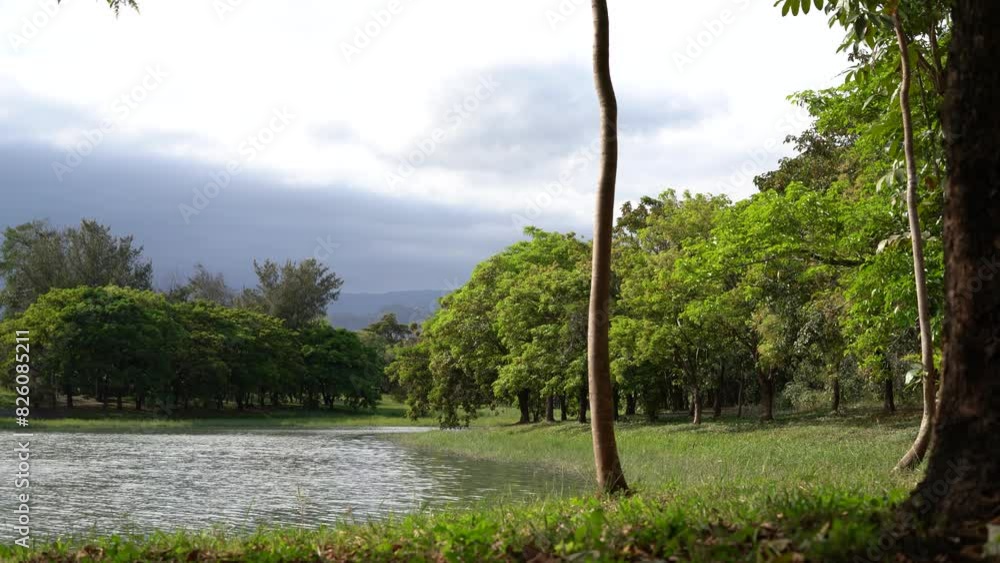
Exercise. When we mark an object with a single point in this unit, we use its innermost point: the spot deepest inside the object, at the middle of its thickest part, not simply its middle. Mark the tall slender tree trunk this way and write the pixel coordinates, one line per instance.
(836, 394)
(550, 409)
(964, 461)
(563, 407)
(717, 410)
(739, 399)
(630, 404)
(610, 476)
(919, 448)
(696, 406)
(583, 403)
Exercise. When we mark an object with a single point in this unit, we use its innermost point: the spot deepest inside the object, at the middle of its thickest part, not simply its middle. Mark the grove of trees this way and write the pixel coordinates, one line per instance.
(99, 331)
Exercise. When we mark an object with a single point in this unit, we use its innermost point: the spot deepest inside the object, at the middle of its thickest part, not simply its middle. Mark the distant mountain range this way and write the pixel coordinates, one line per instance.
(355, 311)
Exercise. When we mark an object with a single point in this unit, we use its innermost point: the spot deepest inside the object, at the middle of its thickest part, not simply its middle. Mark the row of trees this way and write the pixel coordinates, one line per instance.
(98, 330)
(113, 343)
(804, 291)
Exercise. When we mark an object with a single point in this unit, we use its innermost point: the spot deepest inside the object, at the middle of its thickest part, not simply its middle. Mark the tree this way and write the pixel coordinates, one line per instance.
(865, 21)
(203, 285)
(35, 258)
(967, 432)
(297, 293)
(610, 476)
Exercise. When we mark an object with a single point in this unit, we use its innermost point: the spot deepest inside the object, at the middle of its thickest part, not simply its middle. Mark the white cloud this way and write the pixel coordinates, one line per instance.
(226, 74)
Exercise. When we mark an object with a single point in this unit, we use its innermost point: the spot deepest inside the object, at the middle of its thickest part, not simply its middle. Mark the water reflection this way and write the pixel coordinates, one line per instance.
(108, 483)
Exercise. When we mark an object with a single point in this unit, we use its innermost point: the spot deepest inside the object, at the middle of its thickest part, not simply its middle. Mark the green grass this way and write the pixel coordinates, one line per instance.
(807, 487)
(646, 527)
(92, 418)
(739, 459)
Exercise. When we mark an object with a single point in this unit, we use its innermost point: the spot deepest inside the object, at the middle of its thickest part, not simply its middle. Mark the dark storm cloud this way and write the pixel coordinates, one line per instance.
(375, 243)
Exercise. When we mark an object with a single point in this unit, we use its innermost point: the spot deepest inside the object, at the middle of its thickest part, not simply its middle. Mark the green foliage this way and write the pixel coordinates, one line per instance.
(35, 258)
(111, 342)
(297, 293)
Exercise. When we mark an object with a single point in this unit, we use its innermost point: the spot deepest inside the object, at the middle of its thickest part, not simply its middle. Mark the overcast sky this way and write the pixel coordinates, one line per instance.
(400, 142)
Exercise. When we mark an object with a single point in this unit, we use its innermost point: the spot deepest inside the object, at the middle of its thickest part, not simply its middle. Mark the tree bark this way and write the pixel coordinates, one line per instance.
(610, 477)
(524, 405)
(739, 399)
(836, 394)
(696, 406)
(766, 395)
(563, 407)
(964, 460)
(630, 404)
(888, 396)
(717, 411)
(919, 448)
(581, 415)
(550, 409)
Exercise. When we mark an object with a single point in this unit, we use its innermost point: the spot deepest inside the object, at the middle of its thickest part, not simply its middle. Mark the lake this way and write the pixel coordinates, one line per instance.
(87, 483)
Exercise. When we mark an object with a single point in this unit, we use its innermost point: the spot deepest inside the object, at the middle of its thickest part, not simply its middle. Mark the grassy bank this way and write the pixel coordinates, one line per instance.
(826, 527)
(804, 452)
(808, 487)
(92, 417)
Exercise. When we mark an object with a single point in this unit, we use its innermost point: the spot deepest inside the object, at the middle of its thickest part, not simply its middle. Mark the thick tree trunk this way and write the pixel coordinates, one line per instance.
(650, 406)
(550, 409)
(610, 476)
(630, 404)
(696, 406)
(766, 395)
(964, 463)
(888, 396)
(916, 452)
(524, 405)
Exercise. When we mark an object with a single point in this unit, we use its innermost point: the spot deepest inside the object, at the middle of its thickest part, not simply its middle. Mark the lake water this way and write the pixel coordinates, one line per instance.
(87, 483)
